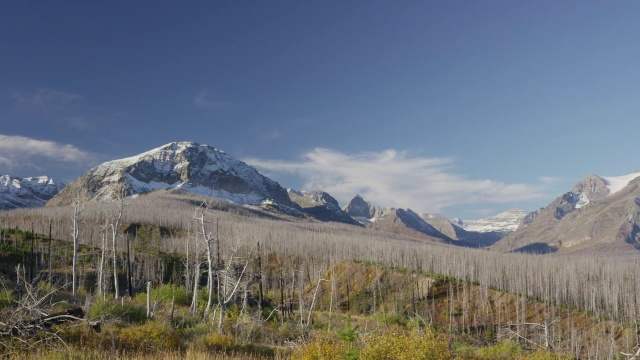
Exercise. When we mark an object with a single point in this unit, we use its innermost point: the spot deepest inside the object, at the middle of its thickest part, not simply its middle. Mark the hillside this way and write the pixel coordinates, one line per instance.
(600, 215)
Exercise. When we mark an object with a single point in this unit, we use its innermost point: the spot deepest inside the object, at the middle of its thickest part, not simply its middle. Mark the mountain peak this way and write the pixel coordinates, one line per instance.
(359, 208)
(184, 165)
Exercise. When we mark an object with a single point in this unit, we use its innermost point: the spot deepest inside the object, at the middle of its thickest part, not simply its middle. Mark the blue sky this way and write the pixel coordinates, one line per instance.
(466, 108)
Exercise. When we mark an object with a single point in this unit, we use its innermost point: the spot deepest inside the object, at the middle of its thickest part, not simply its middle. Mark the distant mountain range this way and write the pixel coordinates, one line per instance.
(600, 214)
(506, 222)
(27, 192)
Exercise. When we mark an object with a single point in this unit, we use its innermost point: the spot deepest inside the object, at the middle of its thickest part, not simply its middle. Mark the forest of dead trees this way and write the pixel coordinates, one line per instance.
(231, 255)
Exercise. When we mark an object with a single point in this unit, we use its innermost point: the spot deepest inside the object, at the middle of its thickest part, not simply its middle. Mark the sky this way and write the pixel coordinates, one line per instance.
(463, 108)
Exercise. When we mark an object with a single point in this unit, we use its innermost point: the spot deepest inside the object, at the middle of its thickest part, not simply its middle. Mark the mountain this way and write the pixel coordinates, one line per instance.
(178, 166)
(360, 210)
(455, 232)
(599, 215)
(407, 222)
(28, 192)
(321, 206)
(505, 222)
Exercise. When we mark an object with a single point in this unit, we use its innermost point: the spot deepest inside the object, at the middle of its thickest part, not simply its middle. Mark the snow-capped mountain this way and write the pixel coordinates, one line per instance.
(505, 222)
(321, 206)
(594, 187)
(27, 192)
(601, 214)
(187, 166)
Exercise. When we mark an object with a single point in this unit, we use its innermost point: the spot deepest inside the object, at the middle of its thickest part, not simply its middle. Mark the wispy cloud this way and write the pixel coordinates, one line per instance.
(203, 99)
(394, 178)
(18, 151)
(271, 135)
(45, 99)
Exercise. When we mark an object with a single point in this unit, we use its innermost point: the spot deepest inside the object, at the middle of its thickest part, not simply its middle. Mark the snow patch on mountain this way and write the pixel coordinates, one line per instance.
(617, 183)
(595, 187)
(581, 200)
(507, 221)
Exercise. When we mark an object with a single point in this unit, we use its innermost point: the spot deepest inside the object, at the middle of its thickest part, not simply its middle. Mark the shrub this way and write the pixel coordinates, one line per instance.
(219, 342)
(319, 349)
(149, 336)
(502, 350)
(6, 298)
(541, 354)
(128, 312)
(405, 346)
(165, 292)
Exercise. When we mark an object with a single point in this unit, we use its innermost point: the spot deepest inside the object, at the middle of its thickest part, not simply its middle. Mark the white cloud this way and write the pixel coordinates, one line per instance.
(204, 100)
(45, 99)
(394, 178)
(550, 179)
(19, 150)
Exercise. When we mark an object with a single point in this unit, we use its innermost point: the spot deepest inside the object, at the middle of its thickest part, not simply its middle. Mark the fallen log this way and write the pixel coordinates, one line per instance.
(32, 327)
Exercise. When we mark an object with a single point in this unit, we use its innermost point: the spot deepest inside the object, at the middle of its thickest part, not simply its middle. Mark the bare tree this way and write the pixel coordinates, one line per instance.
(200, 216)
(78, 204)
(230, 279)
(103, 255)
(118, 211)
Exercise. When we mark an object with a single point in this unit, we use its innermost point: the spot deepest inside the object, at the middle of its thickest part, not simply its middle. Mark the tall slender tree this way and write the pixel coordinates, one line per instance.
(79, 203)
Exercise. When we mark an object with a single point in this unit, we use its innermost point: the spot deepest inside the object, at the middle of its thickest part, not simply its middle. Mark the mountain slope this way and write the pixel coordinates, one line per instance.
(407, 222)
(186, 166)
(455, 232)
(321, 206)
(599, 215)
(28, 192)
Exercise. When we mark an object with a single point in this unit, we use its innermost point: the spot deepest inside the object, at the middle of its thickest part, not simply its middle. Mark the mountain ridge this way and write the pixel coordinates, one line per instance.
(598, 215)
(29, 192)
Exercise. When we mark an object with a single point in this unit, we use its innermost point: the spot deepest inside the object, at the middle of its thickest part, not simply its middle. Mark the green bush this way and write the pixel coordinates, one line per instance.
(149, 336)
(319, 349)
(6, 298)
(127, 312)
(405, 346)
(502, 350)
(165, 292)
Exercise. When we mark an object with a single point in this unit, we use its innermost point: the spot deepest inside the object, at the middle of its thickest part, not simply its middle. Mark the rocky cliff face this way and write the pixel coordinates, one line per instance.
(360, 209)
(28, 192)
(321, 206)
(599, 215)
(188, 166)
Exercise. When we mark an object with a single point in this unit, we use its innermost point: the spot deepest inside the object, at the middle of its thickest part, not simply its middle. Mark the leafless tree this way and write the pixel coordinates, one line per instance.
(78, 205)
(230, 278)
(116, 219)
